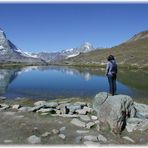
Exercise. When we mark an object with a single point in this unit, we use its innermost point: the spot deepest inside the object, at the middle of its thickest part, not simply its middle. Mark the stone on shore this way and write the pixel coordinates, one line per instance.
(91, 138)
(72, 107)
(25, 109)
(62, 109)
(44, 110)
(34, 139)
(62, 136)
(16, 106)
(89, 125)
(77, 122)
(114, 110)
(51, 104)
(40, 103)
(4, 107)
(84, 117)
(81, 111)
(82, 131)
(141, 110)
(102, 138)
(55, 131)
(62, 129)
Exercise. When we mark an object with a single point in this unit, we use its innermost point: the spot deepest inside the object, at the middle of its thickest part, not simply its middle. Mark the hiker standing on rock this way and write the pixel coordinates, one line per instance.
(111, 73)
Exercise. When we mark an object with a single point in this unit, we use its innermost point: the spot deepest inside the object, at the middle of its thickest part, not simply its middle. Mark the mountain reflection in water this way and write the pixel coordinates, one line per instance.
(57, 81)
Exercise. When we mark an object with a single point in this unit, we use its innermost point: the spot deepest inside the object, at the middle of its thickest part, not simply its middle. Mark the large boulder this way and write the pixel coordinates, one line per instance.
(141, 110)
(114, 110)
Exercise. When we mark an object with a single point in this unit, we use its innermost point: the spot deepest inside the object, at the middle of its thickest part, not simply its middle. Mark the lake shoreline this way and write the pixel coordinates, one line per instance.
(46, 127)
(21, 65)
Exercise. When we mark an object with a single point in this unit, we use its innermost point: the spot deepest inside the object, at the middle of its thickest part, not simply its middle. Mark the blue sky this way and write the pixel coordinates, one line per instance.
(53, 27)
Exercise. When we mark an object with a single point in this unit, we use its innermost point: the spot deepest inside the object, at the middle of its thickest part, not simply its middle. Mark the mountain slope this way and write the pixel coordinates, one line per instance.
(10, 53)
(64, 54)
(134, 53)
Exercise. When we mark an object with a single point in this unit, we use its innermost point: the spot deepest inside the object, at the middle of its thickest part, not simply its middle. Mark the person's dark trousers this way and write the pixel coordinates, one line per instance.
(112, 84)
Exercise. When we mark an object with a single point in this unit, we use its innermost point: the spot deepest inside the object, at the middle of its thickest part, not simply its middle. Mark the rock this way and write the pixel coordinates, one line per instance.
(129, 139)
(114, 110)
(46, 134)
(136, 124)
(102, 138)
(72, 108)
(66, 115)
(132, 124)
(44, 110)
(88, 109)
(91, 143)
(55, 131)
(63, 109)
(8, 141)
(34, 139)
(62, 136)
(91, 138)
(4, 107)
(40, 103)
(58, 112)
(82, 131)
(51, 104)
(77, 122)
(141, 110)
(85, 117)
(89, 125)
(62, 129)
(35, 108)
(143, 125)
(78, 139)
(25, 109)
(16, 106)
(81, 111)
(94, 117)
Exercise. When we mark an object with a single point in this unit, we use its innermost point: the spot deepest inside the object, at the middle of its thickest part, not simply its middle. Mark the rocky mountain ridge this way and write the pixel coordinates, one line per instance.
(10, 53)
(64, 54)
(132, 53)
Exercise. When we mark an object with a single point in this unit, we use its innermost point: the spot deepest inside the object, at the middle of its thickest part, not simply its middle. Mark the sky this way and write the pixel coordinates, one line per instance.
(56, 26)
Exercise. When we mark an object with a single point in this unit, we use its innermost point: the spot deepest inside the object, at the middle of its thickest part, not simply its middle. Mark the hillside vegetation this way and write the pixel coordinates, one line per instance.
(133, 53)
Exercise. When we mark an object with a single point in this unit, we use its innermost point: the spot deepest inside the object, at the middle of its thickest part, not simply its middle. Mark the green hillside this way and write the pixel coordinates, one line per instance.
(133, 53)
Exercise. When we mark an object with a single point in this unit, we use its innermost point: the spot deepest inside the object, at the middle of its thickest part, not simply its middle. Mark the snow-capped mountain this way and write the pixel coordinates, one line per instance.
(10, 53)
(64, 54)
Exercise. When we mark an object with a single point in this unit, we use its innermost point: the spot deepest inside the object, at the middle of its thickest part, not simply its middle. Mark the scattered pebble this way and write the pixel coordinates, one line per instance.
(62, 129)
(91, 138)
(102, 138)
(82, 131)
(55, 131)
(62, 136)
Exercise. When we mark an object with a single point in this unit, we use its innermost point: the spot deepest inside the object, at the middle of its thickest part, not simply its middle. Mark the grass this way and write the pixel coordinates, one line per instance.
(130, 54)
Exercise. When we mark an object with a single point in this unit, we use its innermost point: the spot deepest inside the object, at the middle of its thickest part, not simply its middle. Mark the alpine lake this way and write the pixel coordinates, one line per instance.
(58, 82)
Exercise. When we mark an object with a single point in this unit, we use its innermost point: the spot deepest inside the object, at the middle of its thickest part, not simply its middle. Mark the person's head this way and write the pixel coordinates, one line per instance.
(110, 57)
